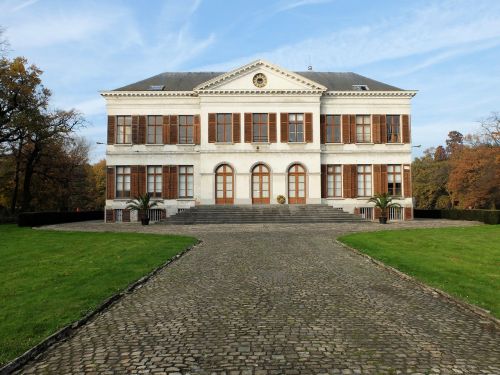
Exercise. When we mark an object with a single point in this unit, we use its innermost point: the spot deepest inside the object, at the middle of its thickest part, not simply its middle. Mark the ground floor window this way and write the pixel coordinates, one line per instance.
(296, 184)
(394, 180)
(155, 181)
(260, 184)
(122, 182)
(364, 180)
(186, 181)
(224, 181)
(334, 180)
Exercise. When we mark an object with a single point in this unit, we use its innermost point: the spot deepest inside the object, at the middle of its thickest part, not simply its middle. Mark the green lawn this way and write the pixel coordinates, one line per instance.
(49, 279)
(464, 262)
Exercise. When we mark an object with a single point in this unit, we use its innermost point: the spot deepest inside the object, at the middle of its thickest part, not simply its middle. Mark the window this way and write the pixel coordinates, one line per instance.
(155, 181)
(295, 127)
(393, 133)
(364, 180)
(296, 184)
(185, 181)
(186, 129)
(333, 126)
(363, 129)
(334, 180)
(124, 129)
(224, 127)
(155, 129)
(123, 182)
(394, 179)
(259, 127)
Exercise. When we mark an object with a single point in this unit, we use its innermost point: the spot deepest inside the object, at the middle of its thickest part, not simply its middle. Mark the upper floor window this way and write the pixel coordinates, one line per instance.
(394, 180)
(334, 180)
(224, 127)
(364, 180)
(186, 129)
(123, 182)
(363, 129)
(260, 127)
(123, 129)
(333, 126)
(295, 127)
(185, 181)
(155, 181)
(393, 133)
(155, 129)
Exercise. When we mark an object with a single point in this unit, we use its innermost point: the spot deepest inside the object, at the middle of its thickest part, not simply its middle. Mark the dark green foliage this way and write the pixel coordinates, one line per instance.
(484, 216)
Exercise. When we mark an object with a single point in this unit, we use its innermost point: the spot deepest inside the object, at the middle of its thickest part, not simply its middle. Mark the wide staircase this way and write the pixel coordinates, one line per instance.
(239, 214)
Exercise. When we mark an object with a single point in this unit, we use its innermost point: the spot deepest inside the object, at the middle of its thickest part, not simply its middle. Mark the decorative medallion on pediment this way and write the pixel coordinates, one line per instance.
(260, 80)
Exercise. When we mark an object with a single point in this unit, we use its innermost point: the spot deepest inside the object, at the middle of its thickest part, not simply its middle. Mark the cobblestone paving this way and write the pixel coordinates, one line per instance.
(276, 299)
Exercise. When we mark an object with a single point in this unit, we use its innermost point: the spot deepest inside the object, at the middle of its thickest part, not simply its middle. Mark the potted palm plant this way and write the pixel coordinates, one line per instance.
(142, 204)
(384, 202)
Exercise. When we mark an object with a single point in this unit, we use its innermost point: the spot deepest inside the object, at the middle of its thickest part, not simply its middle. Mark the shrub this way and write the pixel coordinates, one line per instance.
(281, 199)
(485, 216)
(36, 219)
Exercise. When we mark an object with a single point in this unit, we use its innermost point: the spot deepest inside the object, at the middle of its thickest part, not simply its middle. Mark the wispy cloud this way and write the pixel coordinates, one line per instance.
(23, 5)
(440, 26)
(299, 3)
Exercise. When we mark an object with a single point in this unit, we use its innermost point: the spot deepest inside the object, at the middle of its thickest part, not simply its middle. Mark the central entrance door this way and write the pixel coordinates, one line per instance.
(260, 184)
(224, 182)
(296, 184)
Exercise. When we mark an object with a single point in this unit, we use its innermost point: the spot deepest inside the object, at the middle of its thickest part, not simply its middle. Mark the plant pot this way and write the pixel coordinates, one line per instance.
(145, 221)
(382, 219)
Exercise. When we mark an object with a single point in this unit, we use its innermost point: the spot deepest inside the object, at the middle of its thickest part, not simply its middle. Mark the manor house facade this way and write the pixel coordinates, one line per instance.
(249, 135)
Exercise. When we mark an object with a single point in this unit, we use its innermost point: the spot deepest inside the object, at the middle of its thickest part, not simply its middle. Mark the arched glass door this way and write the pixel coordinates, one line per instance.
(224, 183)
(296, 184)
(260, 184)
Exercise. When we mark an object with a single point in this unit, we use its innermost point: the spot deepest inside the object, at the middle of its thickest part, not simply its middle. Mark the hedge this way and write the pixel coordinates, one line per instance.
(485, 216)
(35, 219)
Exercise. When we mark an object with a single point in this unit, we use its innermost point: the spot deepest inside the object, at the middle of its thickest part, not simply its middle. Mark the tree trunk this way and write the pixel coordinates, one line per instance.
(28, 175)
(15, 193)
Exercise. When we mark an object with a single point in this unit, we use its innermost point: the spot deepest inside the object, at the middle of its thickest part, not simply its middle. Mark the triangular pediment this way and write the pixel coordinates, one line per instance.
(259, 76)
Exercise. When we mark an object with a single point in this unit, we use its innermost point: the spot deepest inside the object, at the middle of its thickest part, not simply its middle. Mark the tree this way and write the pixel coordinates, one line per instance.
(474, 179)
(454, 142)
(489, 132)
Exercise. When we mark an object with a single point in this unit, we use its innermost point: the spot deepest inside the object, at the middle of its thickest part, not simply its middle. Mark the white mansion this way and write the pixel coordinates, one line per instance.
(257, 132)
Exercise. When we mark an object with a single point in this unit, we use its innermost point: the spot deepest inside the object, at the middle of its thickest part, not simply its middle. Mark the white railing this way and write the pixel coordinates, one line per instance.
(155, 215)
(395, 213)
(366, 213)
(118, 216)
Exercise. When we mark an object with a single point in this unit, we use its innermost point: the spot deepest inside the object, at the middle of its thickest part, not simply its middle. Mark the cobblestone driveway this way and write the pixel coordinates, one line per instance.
(262, 299)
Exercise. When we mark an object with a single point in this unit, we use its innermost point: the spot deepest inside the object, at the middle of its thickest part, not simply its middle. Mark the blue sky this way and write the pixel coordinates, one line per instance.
(448, 50)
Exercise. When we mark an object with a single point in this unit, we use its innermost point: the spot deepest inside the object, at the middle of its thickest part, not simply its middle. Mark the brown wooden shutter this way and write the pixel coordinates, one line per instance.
(110, 216)
(324, 181)
(345, 129)
(348, 178)
(141, 179)
(134, 181)
(357, 211)
(248, 127)
(284, 127)
(174, 130)
(376, 128)
(211, 127)
(322, 130)
(408, 213)
(272, 128)
(197, 130)
(166, 130)
(354, 180)
(126, 216)
(309, 127)
(236, 127)
(352, 133)
(110, 183)
(407, 180)
(383, 129)
(173, 182)
(142, 130)
(166, 182)
(406, 129)
(377, 179)
(135, 130)
(111, 129)
(377, 212)
(383, 178)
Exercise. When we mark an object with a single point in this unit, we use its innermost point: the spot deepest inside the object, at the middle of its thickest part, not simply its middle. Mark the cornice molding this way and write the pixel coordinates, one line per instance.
(108, 94)
(258, 92)
(404, 93)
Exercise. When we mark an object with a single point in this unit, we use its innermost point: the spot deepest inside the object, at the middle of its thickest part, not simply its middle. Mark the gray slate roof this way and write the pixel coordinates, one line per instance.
(186, 81)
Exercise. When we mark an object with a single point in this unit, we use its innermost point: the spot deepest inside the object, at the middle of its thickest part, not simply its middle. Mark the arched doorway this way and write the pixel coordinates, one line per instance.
(260, 184)
(296, 184)
(224, 185)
